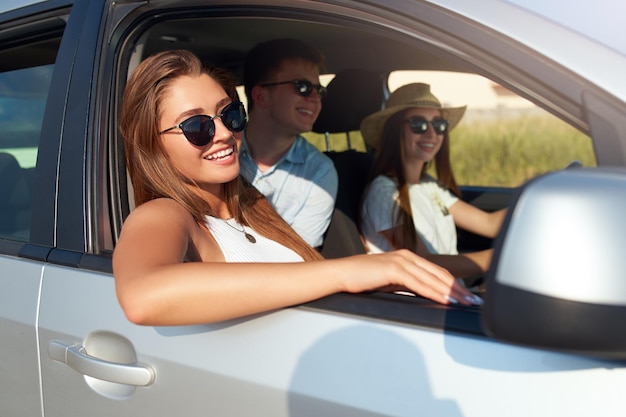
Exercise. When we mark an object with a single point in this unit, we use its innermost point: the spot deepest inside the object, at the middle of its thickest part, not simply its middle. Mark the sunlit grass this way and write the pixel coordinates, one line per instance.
(503, 152)
(507, 153)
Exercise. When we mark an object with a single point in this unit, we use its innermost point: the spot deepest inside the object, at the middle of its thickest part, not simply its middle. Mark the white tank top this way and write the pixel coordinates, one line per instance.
(237, 248)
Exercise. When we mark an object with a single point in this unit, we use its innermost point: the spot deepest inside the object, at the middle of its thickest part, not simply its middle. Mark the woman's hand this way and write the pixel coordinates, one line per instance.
(403, 269)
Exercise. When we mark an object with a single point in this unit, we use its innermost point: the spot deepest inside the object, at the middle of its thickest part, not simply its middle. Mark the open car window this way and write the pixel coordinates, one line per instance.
(503, 139)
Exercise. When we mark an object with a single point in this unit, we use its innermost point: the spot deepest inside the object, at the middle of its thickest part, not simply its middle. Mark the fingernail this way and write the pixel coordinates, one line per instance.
(474, 299)
(452, 300)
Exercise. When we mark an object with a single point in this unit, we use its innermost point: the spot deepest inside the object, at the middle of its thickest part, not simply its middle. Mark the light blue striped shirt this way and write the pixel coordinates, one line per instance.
(302, 187)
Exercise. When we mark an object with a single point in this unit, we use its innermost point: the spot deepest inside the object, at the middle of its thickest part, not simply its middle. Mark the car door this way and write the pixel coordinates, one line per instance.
(93, 360)
(346, 355)
(29, 40)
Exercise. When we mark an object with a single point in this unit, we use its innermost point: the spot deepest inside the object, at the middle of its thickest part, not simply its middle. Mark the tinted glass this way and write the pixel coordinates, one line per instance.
(23, 95)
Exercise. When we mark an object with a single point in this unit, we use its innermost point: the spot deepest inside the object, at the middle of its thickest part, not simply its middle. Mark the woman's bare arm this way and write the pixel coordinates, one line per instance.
(154, 287)
(460, 266)
(475, 220)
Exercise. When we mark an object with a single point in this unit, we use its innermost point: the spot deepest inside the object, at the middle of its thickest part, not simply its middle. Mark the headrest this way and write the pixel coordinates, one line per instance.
(352, 95)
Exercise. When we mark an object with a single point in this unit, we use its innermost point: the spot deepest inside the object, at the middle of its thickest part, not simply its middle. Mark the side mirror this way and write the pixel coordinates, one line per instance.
(558, 276)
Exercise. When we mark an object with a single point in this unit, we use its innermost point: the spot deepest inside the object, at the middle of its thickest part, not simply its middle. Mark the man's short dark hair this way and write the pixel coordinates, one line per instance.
(266, 57)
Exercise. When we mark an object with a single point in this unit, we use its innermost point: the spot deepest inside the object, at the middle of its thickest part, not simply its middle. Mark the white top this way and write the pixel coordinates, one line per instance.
(237, 248)
(429, 207)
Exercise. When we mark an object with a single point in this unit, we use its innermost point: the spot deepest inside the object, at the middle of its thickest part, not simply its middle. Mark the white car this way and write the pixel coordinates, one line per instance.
(548, 341)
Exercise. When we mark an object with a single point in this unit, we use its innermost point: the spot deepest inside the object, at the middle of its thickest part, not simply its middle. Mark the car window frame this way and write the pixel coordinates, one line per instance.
(395, 308)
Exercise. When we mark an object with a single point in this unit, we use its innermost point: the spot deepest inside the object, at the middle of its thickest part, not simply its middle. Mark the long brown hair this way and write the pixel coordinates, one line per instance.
(154, 176)
(390, 162)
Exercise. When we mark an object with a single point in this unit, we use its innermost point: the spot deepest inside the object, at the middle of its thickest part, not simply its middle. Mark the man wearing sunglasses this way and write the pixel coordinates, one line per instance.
(281, 80)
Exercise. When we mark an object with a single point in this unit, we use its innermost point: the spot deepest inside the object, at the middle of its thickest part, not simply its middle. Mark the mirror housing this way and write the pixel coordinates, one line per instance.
(558, 275)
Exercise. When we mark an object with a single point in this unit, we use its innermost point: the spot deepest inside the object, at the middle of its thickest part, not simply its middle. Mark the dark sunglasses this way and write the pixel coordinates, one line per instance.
(303, 87)
(200, 129)
(420, 125)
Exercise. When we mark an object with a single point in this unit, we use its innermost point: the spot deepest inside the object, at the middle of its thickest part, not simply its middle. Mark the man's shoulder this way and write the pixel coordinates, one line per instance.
(302, 144)
(311, 154)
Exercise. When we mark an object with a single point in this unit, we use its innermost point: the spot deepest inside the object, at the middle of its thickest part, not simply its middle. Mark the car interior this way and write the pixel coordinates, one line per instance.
(359, 59)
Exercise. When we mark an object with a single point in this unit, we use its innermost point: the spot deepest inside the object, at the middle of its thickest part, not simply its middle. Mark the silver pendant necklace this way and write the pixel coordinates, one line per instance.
(248, 236)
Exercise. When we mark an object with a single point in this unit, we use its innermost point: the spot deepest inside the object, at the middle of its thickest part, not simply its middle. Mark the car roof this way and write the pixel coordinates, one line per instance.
(588, 42)
(603, 22)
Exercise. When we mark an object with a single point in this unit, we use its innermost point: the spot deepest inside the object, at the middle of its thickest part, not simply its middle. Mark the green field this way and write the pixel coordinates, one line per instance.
(508, 153)
(503, 152)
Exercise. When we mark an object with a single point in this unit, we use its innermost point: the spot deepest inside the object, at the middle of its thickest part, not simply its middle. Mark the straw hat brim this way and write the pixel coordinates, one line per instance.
(372, 126)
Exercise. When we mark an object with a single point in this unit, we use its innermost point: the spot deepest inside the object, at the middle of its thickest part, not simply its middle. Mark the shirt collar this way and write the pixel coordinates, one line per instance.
(296, 154)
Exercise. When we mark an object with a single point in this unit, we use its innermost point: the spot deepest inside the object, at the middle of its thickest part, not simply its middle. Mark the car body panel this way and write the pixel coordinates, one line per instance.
(19, 356)
(305, 361)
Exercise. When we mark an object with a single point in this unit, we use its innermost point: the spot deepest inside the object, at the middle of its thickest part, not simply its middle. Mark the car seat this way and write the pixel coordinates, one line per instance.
(352, 95)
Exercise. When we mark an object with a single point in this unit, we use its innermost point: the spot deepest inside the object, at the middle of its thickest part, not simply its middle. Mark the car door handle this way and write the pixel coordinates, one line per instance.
(77, 358)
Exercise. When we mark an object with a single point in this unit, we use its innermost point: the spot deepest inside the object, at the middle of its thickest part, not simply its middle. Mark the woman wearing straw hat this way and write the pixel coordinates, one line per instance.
(403, 206)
